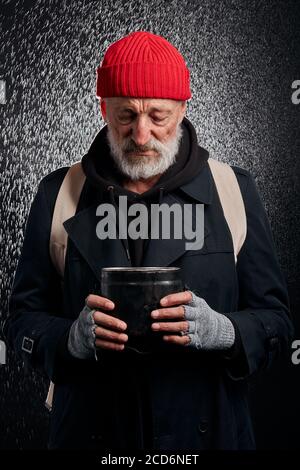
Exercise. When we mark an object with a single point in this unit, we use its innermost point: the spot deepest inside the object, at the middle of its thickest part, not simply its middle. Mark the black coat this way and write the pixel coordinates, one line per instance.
(189, 399)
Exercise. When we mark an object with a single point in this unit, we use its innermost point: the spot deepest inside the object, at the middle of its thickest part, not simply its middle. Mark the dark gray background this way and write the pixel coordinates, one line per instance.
(243, 58)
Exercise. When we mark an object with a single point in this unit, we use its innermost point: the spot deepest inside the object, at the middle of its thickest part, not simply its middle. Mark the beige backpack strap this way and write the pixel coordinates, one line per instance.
(65, 207)
(49, 399)
(232, 202)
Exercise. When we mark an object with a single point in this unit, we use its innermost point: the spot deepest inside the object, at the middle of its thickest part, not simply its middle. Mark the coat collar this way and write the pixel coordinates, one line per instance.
(201, 187)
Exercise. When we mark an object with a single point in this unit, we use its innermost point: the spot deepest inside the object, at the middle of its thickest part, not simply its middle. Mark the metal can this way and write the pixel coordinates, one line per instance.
(136, 292)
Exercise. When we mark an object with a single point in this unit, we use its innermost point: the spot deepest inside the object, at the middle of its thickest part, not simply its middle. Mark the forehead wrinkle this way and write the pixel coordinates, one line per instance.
(141, 104)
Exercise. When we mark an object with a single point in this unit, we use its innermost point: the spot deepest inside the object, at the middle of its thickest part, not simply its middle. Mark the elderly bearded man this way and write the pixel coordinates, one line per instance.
(233, 320)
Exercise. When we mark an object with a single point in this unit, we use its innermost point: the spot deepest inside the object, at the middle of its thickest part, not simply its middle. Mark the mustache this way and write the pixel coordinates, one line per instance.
(129, 146)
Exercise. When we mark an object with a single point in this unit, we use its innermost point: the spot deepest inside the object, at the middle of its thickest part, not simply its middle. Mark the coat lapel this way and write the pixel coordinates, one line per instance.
(81, 229)
(163, 252)
(200, 189)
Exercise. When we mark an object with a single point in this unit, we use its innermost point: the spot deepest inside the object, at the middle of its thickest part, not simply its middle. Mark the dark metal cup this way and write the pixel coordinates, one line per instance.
(135, 293)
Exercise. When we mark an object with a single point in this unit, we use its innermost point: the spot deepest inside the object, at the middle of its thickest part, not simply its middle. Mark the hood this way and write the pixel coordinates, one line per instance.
(102, 172)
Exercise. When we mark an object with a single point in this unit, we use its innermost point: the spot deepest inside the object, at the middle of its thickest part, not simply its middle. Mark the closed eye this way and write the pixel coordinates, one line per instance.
(126, 117)
(159, 119)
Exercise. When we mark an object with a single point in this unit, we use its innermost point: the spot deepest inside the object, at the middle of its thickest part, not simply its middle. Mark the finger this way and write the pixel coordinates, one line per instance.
(95, 301)
(174, 326)
(182, 340)
(102, 333)
(102, 344)
(109, 322)
(168, 313)
(175, 299)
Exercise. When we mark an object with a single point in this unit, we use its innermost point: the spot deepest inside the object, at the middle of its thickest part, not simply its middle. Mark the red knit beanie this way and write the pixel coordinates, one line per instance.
(143, 65)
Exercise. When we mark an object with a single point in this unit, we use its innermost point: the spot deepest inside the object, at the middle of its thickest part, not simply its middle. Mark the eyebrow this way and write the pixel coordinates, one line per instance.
(129, 109)
(151, 110)
(159, 110)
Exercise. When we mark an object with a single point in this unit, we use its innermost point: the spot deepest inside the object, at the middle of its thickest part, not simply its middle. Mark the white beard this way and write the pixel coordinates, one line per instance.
(143, 167)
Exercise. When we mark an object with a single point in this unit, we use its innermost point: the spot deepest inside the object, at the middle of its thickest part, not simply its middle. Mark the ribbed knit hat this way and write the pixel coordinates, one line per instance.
(143, 65)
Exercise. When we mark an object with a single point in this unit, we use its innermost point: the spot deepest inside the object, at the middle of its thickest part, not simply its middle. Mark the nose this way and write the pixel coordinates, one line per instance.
(141, 132)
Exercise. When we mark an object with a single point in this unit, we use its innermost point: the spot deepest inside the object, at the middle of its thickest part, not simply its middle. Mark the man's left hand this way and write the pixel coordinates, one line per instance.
(193, 323)
(173, 310)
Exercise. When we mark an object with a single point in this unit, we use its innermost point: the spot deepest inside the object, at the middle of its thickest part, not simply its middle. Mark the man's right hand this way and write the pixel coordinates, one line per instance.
(95, 329)
(109, 330)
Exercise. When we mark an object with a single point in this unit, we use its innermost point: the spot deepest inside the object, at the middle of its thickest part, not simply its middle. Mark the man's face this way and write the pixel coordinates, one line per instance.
(144, 134)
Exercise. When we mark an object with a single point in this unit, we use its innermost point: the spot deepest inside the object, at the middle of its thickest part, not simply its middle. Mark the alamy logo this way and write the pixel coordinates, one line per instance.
(296, 93)
(158, 221)
(2, 353)
(296, 354)
(2, 92)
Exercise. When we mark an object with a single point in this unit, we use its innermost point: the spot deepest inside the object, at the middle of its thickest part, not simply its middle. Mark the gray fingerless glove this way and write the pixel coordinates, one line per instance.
(208, 329)
(81, 341)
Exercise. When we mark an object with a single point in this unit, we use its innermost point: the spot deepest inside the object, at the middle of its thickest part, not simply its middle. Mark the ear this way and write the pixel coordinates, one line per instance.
(103, 108)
